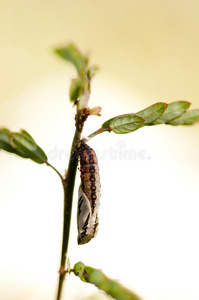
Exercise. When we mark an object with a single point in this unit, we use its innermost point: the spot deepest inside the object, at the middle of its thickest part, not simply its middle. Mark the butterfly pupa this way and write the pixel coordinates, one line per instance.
(88, 196)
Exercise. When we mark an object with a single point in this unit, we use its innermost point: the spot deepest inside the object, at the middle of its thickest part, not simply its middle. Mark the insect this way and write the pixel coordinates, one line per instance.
(89, 195)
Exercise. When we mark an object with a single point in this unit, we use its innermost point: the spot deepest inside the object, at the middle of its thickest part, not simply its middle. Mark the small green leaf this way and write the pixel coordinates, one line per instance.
(188, 118)
(174, 110)
(21, 144)
(76, 89)
(124, 123)
(26, 146)
(73, 55)
(6, 143)
(97, 277)
(151, 113)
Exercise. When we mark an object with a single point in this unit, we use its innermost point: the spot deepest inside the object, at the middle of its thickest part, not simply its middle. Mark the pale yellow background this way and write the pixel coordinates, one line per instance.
(147, 52)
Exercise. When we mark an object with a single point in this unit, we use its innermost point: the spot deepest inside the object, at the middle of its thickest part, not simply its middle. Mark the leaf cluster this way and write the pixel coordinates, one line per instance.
(80, 86)
(174, 113)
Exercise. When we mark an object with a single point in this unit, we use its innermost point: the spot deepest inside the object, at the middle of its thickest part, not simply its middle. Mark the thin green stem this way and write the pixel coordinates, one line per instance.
(61, 177)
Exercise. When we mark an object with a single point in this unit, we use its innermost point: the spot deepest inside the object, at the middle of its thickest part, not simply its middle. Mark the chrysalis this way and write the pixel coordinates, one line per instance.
(89, 195)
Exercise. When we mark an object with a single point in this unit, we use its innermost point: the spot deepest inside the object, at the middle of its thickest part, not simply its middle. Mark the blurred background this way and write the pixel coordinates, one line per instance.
(147, 52)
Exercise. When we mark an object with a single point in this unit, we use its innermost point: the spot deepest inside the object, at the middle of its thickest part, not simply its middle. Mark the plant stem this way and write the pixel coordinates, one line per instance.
(98, 131)
(61, 177)
(68, 186)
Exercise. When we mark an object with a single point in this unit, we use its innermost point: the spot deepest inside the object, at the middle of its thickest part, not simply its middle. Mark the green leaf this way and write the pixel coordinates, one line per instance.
(188, 118)
(73, 55)
(97, 277)
(107, 123)
(25, 145)
(151, 113)
(174, 110)
(24, 132)
(76, 89)
(124, 123)
(21, 144)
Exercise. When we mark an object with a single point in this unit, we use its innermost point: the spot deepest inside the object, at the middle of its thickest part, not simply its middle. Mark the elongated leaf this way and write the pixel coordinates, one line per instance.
(153, 112)
(188, 118)
(73, 55)
(27, 146)
(97, 277)
(5, 143)
(174, 110)
(124, 123)
(21, 144)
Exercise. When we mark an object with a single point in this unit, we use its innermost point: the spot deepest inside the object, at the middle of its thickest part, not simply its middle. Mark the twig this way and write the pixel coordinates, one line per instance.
(98, 131)
(68, 185)
(61, 177)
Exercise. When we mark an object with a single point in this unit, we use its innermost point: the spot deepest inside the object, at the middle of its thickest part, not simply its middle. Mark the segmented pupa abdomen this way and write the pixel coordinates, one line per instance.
(89, 169)
(89, 195)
